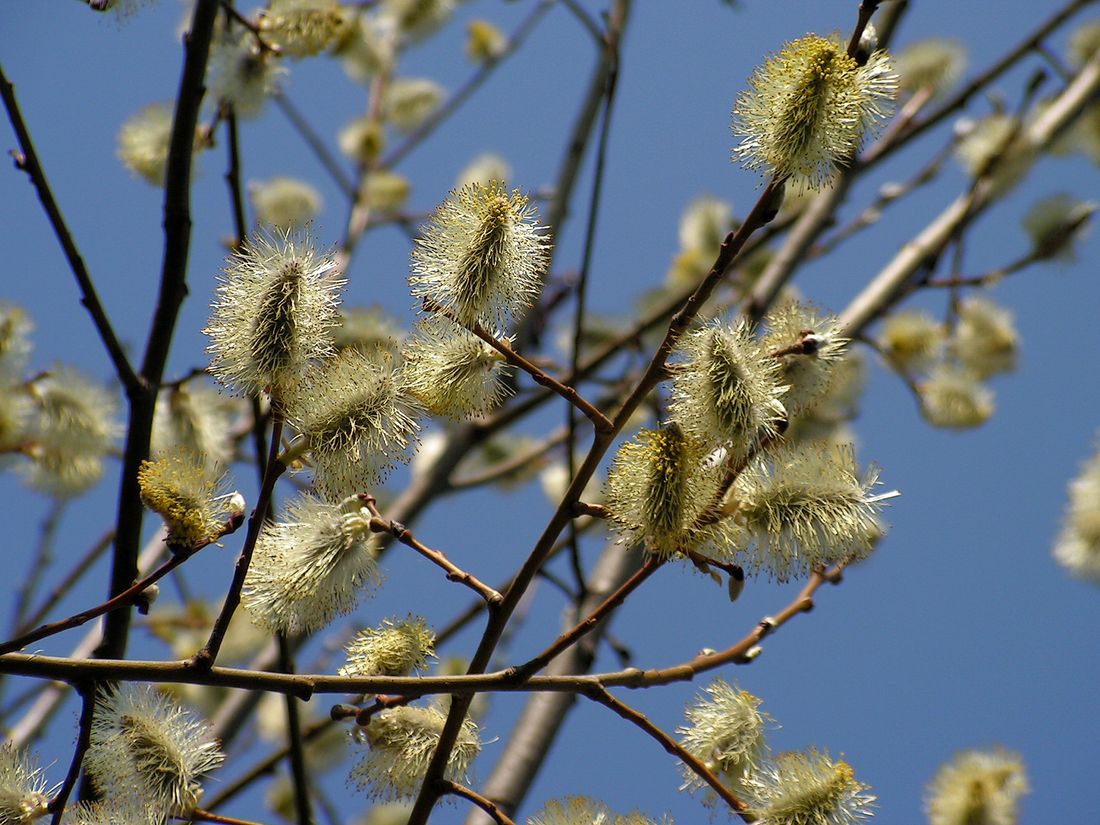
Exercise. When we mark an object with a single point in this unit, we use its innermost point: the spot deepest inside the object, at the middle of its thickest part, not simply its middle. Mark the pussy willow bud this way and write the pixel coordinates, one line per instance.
(482, 256)
(985, 340)
(807, 788)
(273, 313)
(996, 148)
(804, 507)
(355, 420)
(183, 489)
(285, 204)
(362, 139)
(15, 342)
(913, 339)
(401, 744)
(71, 428)
(484, 170)
(243, 75)
(1077, 548)
(143, 142)
(452, 372)
(1056, 225)
(144, 745)
(196, 419)
(726, 387)
(417, 19)
(726, 733)
(484, 41)
(813, 348)
(302, 28)
(977, 788)
(311, 567)
(409, 101)
(23, 793)
(935, 64)
(659, 486)
(581, 810)
(395, 648)
(955, 398)
(809, 108)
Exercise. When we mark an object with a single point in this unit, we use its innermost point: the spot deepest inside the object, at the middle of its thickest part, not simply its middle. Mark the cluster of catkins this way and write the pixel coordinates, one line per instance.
(355, 412)
(723, 480)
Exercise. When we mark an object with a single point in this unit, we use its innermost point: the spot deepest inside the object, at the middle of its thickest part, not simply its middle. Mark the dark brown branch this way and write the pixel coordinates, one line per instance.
(206, 657)
(83, 740)
(380, 524)
(638, 719)
(570, 394)
(126, 598)
(172, 291)
(866, 12)
(27, 160)
(298, 773)
(570, 637)
(233, 178)
(304, 686)
(446, 786)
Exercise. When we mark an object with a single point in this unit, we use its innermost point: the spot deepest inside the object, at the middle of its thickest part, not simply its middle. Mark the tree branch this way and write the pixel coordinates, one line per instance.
(446, 786)
(380, 524)
(126, 598)
(173, 290)
(28, 161)
(639, 720)
(83, 740)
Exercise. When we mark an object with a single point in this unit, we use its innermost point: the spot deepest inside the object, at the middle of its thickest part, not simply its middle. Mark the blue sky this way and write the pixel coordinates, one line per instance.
(959, 632)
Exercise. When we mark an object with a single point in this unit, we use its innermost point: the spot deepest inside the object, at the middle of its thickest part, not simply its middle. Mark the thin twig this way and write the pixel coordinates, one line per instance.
(206, 657)
(380, 524)
(462, 94)
(171, 293)
(582, 291)
(603, 696)
(522, 460)
(585, 19)
(27, 160)
(328, 161)
(446, 786)
(570, 394)
(66, 584)
(126, 598)
(40, 562)
(299, 776)
(83, 740)
(571, 636)
(202, 815)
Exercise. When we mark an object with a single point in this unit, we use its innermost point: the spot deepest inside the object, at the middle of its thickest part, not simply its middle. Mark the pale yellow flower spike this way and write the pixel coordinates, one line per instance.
(809, 108)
